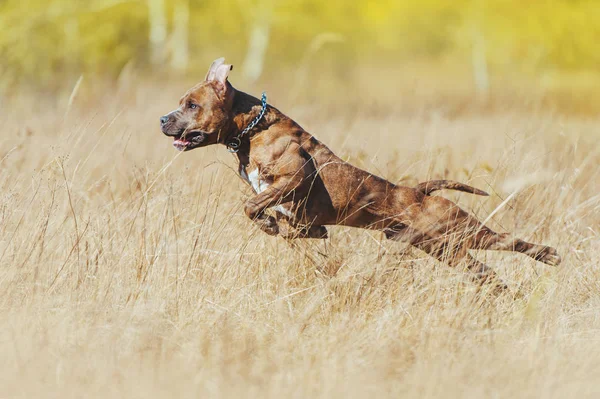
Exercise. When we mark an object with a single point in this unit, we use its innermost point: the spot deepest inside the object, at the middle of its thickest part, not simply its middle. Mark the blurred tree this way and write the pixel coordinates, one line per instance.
(46, 41)
(259, 38)
(180, 38)
(157, 19)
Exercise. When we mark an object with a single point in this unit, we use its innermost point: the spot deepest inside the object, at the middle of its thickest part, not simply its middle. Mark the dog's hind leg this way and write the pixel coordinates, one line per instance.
(446, 251)
(485, 238)
(483, 273)
(478, 236)
(454, 254)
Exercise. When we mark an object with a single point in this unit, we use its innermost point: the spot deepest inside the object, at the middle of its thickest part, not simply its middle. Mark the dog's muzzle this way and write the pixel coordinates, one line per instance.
(168, 126)
(189, 140)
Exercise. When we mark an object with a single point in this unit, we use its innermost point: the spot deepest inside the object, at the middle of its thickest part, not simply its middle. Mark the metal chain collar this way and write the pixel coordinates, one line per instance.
(234, 144)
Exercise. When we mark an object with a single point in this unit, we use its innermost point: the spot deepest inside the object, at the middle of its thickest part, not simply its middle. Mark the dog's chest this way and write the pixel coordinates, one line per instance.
(253, 178)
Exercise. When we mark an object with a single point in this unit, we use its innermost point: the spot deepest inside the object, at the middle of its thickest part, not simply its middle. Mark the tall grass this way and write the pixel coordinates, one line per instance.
(130, 270)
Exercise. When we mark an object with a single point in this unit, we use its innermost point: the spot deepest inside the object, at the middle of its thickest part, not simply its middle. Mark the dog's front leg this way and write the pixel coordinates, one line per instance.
(285, 176)
(285, 185)
(282, 190)
(255, 211)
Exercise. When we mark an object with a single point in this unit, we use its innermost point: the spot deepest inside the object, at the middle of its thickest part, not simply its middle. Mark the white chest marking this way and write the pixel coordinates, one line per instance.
(259, 186)
(242, 170)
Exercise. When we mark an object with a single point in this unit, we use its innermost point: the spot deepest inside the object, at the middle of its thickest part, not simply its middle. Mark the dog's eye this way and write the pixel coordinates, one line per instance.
(193, 106)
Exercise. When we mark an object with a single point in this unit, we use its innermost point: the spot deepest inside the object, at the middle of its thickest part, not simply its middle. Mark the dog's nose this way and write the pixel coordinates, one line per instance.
(164, 119)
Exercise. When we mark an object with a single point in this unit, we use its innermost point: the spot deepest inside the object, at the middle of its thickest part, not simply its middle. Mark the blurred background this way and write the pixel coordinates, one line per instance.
(494, 53)
(129, 269)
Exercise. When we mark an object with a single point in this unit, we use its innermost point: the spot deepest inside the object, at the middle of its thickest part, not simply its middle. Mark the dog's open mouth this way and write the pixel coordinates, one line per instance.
(191, 140)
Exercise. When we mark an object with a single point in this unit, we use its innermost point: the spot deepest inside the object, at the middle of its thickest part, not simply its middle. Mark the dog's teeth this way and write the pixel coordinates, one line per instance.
(180, 144)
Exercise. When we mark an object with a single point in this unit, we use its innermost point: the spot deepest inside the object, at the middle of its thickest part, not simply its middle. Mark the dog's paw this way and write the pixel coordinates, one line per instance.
(271, 230)
(315, 232)
(269, 225)
(291, 233)
(500, 287)
(549, 256)
(493, 282)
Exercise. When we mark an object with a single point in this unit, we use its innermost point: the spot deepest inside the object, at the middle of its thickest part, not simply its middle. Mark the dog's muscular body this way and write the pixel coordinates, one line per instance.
(306, 184)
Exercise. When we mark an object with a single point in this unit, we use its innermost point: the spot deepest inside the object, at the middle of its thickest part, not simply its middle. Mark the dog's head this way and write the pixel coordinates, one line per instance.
(204, 113)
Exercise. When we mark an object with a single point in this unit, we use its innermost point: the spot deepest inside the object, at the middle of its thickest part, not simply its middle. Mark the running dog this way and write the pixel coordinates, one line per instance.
(308, 187)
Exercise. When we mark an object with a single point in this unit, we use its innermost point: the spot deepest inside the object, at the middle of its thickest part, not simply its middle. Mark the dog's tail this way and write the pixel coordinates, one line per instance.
(434, 185)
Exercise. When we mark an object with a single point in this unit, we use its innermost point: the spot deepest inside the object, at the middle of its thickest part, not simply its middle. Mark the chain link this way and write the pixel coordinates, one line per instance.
(234, 143)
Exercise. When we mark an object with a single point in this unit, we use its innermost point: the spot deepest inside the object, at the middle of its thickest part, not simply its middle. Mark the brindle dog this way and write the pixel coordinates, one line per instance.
(309, 187)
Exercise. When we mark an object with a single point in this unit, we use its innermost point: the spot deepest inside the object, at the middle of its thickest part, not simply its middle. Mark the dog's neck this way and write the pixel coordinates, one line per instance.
(245, 108)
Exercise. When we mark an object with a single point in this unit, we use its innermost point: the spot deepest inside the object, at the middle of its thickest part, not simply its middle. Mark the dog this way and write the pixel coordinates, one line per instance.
(308, 187)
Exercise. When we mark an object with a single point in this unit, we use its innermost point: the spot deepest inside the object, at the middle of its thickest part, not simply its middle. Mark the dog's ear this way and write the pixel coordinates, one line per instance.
(218, 73)
(221, 74)
(210, 75)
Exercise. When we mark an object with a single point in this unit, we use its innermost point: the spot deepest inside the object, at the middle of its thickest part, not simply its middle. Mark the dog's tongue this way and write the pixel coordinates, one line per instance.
(180, 144)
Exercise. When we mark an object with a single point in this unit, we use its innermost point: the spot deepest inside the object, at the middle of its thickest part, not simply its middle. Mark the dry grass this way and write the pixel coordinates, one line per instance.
(130, 271)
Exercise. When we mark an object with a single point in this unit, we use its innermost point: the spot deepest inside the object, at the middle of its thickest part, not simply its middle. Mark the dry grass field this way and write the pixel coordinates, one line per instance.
(129, 270)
